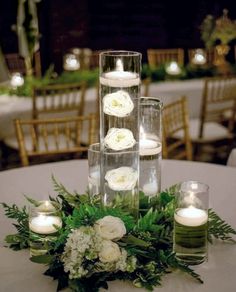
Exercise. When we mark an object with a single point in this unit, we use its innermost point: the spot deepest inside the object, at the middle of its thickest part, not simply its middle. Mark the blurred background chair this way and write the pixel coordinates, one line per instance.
(210, 55)
(53, 101)
(158, 57)
(174, 119)
(58, 98)
(207, 133)
(53, 137)
(16, 63)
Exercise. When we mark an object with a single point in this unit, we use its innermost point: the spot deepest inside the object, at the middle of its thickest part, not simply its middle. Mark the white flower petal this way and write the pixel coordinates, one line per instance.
(118, 104)
(119, 139)
(122, 179)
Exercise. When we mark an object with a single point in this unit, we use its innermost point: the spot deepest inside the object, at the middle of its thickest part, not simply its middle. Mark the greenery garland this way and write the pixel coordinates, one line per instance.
(145, 248)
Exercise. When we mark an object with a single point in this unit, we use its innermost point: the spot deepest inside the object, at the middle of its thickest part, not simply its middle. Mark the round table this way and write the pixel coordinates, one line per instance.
(17, 273)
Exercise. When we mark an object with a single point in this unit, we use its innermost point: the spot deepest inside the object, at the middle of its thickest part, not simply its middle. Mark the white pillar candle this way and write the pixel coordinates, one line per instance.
(119, 77)
(44, 224)
(173, 68)
(191, 216)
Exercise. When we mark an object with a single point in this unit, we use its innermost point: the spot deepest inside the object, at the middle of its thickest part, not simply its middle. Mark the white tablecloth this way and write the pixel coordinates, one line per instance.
(18, 274)
(12, 107)
(15, 107)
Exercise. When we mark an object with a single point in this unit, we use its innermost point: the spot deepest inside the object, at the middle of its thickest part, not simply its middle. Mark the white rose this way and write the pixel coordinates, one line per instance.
(118, 104)
(119, 139)
(121, 179)
(110, 252)
(110, 227)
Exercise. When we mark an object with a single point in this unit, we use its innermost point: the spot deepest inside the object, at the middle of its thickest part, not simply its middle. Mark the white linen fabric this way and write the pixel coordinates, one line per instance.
(17, 273)
(232, 158)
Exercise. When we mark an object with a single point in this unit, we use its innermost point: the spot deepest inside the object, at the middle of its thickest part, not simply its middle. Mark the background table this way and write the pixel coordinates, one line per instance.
(17, 273)
(21, 107)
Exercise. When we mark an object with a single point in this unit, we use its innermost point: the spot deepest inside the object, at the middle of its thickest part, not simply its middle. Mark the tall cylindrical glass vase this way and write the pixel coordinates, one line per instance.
(119, 128)
(150, 145)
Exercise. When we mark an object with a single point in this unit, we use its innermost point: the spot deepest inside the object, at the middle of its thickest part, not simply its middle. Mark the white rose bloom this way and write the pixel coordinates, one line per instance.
(110, 227)
(119, 139)
(118, 104)
(110, 252)
(121, 179)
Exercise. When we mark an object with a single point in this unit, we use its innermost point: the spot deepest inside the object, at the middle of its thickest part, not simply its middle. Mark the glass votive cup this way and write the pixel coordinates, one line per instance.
(94, 169)
(44, 223)
(191, 223)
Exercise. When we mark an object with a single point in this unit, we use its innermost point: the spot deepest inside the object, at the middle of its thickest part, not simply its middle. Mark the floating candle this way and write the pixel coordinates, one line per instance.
(44, 224)
(199, 57)
(173, 68)
(191, 216)
(17, 80)
(119, 77)
(149, 147)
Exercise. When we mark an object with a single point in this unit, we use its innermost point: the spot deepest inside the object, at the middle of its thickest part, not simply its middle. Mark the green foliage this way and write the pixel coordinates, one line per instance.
(148, 238)
(90, 77)
(21, 239)
(218, 228)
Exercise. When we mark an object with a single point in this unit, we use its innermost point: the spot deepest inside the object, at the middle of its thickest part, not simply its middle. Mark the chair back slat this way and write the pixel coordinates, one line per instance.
(58, 98)
(55, 136)
(158, 57)
(175, 119)
(219, 96)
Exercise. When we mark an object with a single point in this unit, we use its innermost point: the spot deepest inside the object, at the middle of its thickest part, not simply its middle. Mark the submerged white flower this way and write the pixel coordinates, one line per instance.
(119, 139)
(110, 227)
(121, 179)
(110, 252)
(118, 104)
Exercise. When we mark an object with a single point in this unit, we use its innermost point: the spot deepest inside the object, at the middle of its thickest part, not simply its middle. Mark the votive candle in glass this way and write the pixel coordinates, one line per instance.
(191, 223)
(44, 222)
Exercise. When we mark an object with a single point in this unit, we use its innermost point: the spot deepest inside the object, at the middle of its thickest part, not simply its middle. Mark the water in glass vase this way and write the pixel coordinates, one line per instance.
(150, 169)
(190, 242)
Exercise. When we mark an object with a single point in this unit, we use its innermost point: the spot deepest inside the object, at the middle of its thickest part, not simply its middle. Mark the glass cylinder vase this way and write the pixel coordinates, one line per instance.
(191, 223)
(44, 223)
(119, 128)
(150, 145)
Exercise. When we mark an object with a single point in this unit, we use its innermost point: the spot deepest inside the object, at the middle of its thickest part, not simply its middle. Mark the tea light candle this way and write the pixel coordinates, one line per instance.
(150, 189)
(44, 224)
(17, 80)
(71, 62)
(173, 68)
(199, 58)
(191, 216)
(119, 77)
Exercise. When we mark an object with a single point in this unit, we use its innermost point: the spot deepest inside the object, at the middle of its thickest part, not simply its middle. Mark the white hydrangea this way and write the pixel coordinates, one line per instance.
(83, 243)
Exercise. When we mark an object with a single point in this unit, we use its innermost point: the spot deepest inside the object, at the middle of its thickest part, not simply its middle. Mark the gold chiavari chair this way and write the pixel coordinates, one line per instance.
(50, 137)
(175, 119)
(54, 101)
(210, 55)
(145, 86)
(57, 98)
(218, 97)
(158, 57)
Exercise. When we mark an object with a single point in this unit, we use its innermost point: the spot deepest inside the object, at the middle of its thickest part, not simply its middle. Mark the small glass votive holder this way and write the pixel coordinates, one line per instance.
(191, 223)
(94, 169)
(44, 222)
